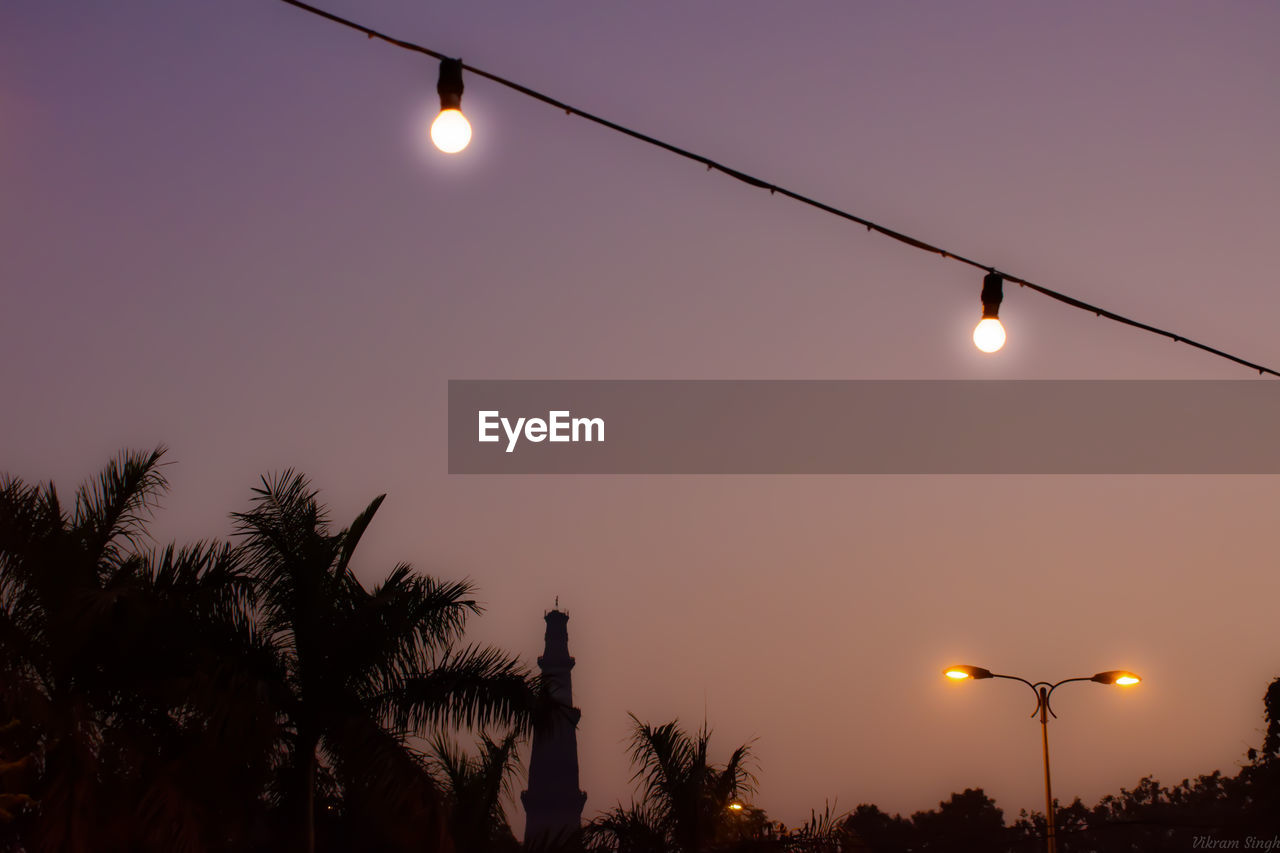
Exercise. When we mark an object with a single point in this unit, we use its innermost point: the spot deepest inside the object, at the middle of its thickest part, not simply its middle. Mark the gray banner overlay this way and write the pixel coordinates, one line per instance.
(863, 427)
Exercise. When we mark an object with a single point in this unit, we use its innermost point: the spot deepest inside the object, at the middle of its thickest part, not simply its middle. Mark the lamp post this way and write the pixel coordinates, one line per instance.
(1043, 690)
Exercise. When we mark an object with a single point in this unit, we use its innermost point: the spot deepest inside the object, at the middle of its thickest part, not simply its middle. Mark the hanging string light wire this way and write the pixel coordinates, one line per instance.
(774, 189)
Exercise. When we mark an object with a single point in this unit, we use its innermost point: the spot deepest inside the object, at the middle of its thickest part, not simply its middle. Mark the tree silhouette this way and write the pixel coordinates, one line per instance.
(200, 698)
(475, 788)
(967, 821)
(356, 670)
(684, 797)
(259, 697)
(99, 673)
(878, 832)
(633, 829)
(59, 574)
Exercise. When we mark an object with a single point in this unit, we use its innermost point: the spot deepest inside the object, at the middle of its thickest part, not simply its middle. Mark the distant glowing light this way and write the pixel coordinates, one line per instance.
(956, 673)
(1128, 679)
(735, 806)
(451, 132)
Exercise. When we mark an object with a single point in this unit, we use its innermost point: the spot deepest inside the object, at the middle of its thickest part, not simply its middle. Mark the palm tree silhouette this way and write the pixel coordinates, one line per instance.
(358, 670)
(104, 646)
(474, 788)
(685, 799)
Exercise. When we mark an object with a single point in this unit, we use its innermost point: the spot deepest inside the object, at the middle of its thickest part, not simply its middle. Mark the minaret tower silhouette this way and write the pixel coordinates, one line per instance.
(553, 803)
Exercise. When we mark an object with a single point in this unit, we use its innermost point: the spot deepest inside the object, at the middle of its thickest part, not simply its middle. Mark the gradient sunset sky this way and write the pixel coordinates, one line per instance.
(222, 228)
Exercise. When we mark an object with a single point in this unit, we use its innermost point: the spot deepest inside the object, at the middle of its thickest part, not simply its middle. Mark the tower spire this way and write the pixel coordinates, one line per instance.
(553, 803)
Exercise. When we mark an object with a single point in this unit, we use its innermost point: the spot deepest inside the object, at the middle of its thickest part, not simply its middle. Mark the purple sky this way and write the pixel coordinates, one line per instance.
(221, 228)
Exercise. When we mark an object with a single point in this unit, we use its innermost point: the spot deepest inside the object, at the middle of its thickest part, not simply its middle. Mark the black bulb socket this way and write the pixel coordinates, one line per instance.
(450, 84)
(992, 294)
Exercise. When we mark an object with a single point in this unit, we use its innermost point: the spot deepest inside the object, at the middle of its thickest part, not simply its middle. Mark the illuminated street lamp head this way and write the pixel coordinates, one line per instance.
(735, 806)
(988, 335)
(450, 131)
(1116, 676)
(959, 673)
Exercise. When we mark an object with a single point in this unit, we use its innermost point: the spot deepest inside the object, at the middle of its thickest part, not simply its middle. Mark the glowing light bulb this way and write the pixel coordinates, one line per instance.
(1117, 676)
(956, 674)
(451, 131)
(988, 335)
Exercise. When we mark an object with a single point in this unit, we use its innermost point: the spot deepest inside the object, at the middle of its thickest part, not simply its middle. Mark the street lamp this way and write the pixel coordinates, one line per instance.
(1043, 690)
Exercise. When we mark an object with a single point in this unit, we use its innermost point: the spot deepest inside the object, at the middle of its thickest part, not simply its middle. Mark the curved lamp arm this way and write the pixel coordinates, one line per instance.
(1035, 688)
(1052, 687)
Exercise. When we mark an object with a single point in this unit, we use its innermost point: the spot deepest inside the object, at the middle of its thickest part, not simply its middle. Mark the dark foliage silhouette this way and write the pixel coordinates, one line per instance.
(107, 647)
(1148, 817)
(259, 696)
(684, 798)
(475, 787)
(219, 696)
(356, 670)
